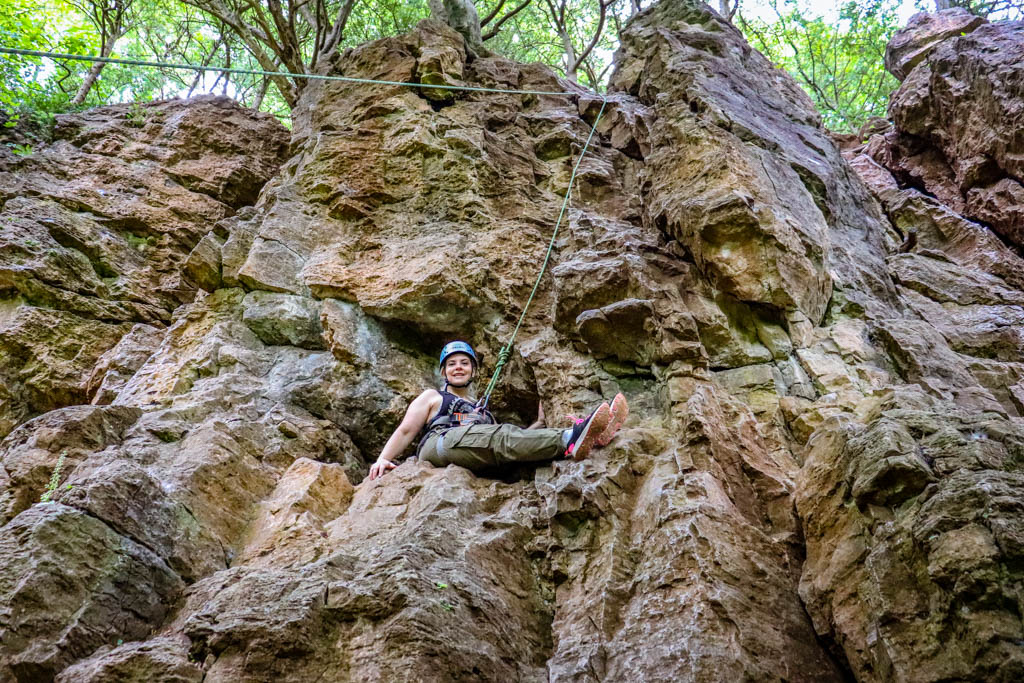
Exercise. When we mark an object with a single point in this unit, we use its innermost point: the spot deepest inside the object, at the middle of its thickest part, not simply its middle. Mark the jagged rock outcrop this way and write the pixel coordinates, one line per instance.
(820, 478)
(96, 226)
(914, 524)
(958, 116)
(914, 578)
(912, 44)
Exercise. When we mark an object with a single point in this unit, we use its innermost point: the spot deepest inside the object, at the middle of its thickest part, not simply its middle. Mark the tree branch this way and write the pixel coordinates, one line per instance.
(493, 13)
(339, 28)
(247, 34)
(597, 34)
(497, 27)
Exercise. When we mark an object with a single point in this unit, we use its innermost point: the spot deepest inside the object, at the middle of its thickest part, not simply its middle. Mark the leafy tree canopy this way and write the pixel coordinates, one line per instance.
(576, 37)
(837, 61)
(840, 63)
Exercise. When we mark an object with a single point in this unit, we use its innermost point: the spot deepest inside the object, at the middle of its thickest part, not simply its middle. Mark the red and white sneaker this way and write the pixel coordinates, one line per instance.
(620, 411)
(585, 431)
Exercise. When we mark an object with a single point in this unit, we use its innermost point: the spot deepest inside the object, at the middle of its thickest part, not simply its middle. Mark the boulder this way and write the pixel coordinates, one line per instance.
(912, 527)
(97, 227)
(158, 659)
(71, 584)
(958, 118)
(911, 45)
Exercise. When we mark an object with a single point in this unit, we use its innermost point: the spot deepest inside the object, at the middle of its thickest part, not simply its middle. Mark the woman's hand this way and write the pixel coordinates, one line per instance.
(381, 467)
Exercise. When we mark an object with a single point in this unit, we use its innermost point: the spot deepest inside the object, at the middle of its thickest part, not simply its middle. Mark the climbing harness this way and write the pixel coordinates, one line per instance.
(455, 411)
(506, 351)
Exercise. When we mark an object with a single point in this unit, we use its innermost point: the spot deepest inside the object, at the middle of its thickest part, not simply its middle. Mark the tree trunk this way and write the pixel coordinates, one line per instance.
(571, 63)
(338, 30)
(195, 83)
(227, 64)
(90, 78)
(460, 15)
(110, 20)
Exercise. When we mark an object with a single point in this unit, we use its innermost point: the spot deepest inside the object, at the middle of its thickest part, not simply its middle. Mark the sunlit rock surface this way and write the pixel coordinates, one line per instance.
(820, 478)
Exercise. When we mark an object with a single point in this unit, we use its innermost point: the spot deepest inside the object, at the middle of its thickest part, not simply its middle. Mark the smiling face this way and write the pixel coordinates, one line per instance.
(458, 369)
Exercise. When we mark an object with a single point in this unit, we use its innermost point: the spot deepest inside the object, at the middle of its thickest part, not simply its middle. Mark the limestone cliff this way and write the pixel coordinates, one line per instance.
(821, 478)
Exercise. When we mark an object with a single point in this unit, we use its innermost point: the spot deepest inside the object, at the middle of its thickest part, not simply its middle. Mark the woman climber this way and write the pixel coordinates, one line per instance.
(452, 430)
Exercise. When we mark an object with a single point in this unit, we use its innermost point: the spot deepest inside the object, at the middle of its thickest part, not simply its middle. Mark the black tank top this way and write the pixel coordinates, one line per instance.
(455, 411)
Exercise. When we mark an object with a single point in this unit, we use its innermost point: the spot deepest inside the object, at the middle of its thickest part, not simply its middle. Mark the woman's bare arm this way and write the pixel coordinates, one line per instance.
(416, 416)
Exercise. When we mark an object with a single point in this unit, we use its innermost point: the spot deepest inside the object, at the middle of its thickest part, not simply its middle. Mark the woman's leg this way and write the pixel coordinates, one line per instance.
(479, 446)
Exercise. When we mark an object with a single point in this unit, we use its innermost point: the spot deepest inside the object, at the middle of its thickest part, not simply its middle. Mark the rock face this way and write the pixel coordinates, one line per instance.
(820, 478)
(922, 33)
(914, 524)
(96, 226)
(958, 116)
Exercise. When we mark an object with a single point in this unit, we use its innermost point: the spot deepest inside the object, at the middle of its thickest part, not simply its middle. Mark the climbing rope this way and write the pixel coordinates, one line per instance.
(506, 351)
(260, 72)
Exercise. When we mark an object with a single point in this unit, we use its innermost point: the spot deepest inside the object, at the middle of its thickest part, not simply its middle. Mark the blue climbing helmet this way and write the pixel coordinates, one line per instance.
(458, 347)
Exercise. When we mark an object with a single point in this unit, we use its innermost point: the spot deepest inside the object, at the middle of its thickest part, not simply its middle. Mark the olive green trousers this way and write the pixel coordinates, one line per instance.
(477, 447)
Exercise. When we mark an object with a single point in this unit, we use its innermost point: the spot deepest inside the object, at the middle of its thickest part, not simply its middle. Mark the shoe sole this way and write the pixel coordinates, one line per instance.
(596, 426)
(620, 411)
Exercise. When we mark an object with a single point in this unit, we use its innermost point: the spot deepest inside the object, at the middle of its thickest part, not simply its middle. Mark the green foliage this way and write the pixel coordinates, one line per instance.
(839, 65)
(189, 32)
(54, 479)
(29, 87)
(532, 35)
(23, 150)
(137, 116)
(382, 18)
(992, 9)
(36, 88)
(138, 242)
